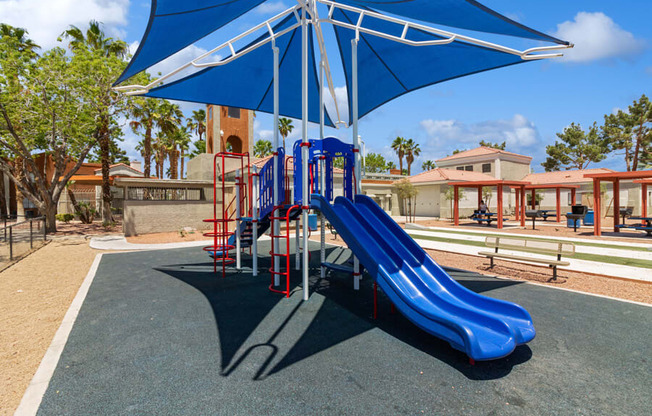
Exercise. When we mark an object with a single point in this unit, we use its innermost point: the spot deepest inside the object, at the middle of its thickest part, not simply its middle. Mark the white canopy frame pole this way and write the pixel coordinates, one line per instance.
(255, 191)
(305, 143)
(356, 141)
(322, 172)
(277, 197)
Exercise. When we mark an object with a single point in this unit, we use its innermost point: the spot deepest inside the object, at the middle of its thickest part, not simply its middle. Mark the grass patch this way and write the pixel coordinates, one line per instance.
(585, 244)
(580, 256)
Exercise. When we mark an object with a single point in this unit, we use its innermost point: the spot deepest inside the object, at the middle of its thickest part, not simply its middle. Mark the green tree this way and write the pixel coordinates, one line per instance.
(197, 124)
(47, 105)
(428, 165)
(375, 163)
(143, 117)
(631, 133)
(390, 165)
(105, 62)
(499, 146)
(263, 148)
(200, 148)
(285, 127)
(398, 145)
(169, 120)
(576, 149)
(407, 192)
(412, 150)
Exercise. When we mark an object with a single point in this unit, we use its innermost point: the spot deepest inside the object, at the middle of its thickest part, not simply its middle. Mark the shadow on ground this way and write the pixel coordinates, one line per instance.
(241, 302)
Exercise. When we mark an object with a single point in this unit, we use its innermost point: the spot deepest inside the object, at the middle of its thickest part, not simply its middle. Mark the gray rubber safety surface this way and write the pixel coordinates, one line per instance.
(160, 333)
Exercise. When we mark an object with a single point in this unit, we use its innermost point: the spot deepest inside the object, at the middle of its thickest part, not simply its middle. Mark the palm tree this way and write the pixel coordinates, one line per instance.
(198, 122)
(93, 40)
(428, 165)
(390, 166)
(399, 147)
(262, 148)
(24, 44)
(168, 120)
(144, 114)
(182, 139)
(412, 149)
(285, 127)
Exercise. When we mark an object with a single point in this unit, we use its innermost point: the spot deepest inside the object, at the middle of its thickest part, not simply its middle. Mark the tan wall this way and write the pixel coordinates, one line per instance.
(143, 217)
(477, 167)
(513, 171)
(428, 201)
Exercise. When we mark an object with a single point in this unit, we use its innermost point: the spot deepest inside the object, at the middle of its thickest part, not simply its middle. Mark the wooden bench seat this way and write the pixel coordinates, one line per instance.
(553, 248)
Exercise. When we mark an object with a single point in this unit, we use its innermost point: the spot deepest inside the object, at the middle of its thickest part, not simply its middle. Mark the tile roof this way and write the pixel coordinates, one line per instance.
(445, 175)
(480, 151)
(563, 176)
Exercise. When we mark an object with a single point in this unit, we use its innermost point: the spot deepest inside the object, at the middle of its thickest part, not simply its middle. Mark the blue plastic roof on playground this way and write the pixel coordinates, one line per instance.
(386, 69)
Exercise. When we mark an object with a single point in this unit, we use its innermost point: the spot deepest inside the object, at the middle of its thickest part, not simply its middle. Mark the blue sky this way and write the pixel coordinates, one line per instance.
(524, 105)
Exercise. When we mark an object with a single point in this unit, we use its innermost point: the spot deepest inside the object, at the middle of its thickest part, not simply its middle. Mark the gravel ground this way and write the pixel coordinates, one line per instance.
(35, 294)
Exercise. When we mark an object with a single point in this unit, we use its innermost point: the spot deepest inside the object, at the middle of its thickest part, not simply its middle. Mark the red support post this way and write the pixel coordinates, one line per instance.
(616, 190)
(596, 207)
(456, 205)
(522, 204)
(500, 206)
(517, 202)
(534, 199)
(573, 196)
(558, 204)
(644, 200)
(479, 195)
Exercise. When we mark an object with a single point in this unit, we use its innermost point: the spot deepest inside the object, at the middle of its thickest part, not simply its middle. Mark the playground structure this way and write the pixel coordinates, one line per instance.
(251, 76)
(482, 327)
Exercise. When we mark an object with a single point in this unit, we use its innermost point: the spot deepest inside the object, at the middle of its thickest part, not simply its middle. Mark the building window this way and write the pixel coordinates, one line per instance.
(210, 112)
(233, 112)
(468, 168)
(486, 168)
(460, 168)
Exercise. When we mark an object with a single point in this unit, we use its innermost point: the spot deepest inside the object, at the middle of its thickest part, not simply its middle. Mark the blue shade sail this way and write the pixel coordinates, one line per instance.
(463, 14)
(175, 24)
(247, 82)
(389, 69)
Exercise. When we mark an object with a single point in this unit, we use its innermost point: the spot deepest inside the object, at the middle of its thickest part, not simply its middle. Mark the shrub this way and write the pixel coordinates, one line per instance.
(65, 217)
(85, 212)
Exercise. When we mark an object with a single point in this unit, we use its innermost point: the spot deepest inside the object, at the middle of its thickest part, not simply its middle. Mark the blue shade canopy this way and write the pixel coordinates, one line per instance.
(463, 14)
(388, 69)
(175, 24)
(247, 82)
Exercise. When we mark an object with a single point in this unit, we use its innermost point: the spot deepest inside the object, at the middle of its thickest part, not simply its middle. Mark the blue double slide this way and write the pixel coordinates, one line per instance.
(482, 327)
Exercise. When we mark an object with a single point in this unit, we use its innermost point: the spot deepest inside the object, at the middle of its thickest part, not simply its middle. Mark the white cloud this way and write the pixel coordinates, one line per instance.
(45, 20)
(596, 36)
(342, 103)
(271, 7)
(518, 132)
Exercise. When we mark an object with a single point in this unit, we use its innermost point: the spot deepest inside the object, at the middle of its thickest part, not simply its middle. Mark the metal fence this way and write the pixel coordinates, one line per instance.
(21, 237)
(151, 193)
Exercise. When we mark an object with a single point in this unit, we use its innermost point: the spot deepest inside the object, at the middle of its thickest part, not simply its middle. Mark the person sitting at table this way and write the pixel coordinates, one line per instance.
(482, 208)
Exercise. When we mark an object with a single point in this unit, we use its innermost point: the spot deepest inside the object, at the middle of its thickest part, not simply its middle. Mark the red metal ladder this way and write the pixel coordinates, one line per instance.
(276, 253)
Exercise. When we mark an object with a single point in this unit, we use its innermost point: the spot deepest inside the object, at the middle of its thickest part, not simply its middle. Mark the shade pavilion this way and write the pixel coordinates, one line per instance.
(557, 188)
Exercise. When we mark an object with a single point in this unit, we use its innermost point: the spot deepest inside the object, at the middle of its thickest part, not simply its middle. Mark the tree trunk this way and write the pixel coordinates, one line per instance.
(106, 186)
(3, 199)
(49, 211)
(147, 150)
(181, 162)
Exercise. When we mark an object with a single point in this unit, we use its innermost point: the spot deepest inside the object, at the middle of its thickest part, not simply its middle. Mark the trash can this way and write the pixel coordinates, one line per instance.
(588, 219)
(312, 222)
(569, 221)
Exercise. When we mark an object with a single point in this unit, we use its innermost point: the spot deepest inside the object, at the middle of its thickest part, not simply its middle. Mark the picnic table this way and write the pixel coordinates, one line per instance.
(645, 224)
(487, 217)
(545, 213)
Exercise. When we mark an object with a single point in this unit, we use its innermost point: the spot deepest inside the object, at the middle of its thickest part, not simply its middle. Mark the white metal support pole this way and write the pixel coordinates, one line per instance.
(322, 173)
(238, 219)
(254, 223)
(277, 198)
(356, 142)
(304, 132)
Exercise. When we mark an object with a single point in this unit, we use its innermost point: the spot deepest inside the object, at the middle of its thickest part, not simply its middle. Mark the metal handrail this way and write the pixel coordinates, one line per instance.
(10, 236)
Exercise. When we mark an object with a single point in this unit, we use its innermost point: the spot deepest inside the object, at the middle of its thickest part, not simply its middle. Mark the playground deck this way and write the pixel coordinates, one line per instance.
(159, 333)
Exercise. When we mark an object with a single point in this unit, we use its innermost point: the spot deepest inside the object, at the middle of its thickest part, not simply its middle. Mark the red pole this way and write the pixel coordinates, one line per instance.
(616, 189)
(517, 202)
(522, 204)
(596, 207)
(534, 202)
(644, 200)
(456, 205)
(573, 196)
(479, 195)
(558, 204)
(500, 206)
